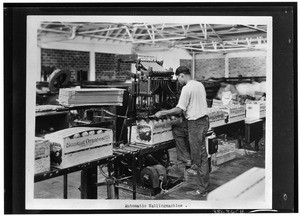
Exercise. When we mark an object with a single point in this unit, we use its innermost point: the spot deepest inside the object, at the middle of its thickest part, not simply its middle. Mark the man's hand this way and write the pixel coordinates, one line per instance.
(159, 114)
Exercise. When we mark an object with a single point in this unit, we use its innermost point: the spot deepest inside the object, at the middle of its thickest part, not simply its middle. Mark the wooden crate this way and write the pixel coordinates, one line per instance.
(78, 145)
(220, 158)
(41, 155)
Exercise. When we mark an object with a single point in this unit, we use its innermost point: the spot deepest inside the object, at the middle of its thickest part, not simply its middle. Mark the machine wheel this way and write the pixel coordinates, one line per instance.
(162, 173)
(58, 78)
(150, 177)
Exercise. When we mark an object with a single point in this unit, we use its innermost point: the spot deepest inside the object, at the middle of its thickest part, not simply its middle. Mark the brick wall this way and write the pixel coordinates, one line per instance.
(209, 65)
(106, 64)
(107, 67)
(185, 62)
(65, 59)
(247, 66)
(206, 68)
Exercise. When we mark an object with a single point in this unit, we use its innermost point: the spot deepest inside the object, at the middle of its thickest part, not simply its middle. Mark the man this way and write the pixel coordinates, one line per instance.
(192, 103)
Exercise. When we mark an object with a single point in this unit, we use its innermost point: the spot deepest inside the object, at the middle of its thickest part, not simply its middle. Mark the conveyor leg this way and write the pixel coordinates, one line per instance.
(116, 174)
(88, 183)
(110, 183)
(134, 177)
(110, 188)
(66, 186)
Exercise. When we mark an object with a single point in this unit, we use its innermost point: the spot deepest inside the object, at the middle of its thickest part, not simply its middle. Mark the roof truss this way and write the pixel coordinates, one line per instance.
(196, 37)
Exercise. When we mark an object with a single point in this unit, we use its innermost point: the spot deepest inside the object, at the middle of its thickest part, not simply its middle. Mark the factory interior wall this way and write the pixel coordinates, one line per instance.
(75, 56)
(65, 60)
(106, 64)
(207, 65)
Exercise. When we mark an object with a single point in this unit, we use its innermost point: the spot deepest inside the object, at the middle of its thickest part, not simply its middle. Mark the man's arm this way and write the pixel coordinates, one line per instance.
(173, 111)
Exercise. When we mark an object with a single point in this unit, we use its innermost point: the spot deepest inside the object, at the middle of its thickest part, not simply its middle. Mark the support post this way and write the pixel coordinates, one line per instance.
(193, 66)
(39, 76)
(226, 75)
(92, 71)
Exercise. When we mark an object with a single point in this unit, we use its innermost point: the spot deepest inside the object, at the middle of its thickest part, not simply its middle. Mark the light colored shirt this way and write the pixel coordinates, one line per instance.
(192, 100)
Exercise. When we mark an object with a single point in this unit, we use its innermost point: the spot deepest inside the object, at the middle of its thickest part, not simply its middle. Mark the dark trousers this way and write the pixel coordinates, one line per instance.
(180, 134)
(197, 130)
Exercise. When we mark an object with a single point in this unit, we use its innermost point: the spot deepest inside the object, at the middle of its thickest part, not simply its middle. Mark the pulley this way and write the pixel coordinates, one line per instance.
(58, 78)
(153, 176)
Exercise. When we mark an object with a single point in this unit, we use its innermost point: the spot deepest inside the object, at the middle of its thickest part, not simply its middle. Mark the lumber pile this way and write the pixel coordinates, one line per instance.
(91, 96)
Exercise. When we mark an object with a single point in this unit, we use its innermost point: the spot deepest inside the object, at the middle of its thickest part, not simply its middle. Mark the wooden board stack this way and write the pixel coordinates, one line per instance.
(91, 96)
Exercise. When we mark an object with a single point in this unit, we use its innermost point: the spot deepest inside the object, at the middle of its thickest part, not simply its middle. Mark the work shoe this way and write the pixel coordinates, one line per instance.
(188, 164)
(197, 192)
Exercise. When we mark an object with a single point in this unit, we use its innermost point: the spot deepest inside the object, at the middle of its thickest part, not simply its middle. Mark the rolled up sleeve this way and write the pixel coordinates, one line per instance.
(183, 100)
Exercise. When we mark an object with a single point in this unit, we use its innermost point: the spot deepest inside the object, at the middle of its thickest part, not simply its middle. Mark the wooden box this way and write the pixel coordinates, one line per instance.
(73, 146)
(223, 157)
(218, 117)
(256, 109)
(236, 113)
(153, 132)
(41, 155)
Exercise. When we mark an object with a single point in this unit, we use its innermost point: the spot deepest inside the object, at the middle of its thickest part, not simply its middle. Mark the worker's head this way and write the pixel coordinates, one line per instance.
(183, 74)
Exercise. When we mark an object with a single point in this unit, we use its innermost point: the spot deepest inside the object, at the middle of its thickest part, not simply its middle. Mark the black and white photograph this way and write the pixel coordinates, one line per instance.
(150, 109)
(149, 112)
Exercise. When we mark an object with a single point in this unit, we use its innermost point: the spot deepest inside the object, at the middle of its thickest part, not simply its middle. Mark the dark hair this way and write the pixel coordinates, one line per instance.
(182, 69)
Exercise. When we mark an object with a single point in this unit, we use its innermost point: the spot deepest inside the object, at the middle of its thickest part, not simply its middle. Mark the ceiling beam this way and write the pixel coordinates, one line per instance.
(255, 27)
(54, 30)
(204, 30)
(220, 40)
(129, 34)
(158, 39)
(118, 32)
(110, 38)
(153, 32)
(101, 30)
(150, 35)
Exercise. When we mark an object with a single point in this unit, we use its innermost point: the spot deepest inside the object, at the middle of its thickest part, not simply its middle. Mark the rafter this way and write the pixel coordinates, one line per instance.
(110, 38)
(129, 34)
(158, 39)
(204, 30)
(255, 27)
(196, 36)
(150, 35)
(101, 30)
